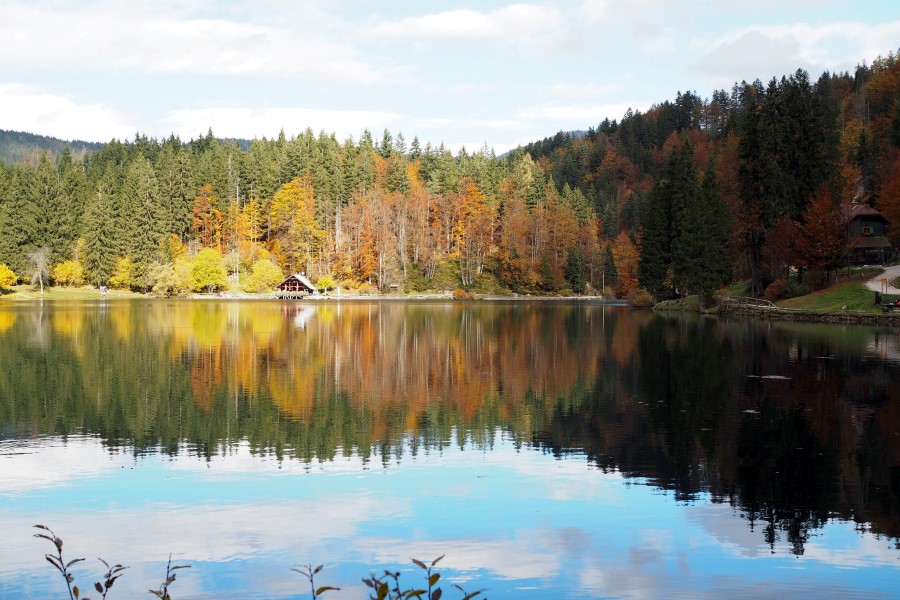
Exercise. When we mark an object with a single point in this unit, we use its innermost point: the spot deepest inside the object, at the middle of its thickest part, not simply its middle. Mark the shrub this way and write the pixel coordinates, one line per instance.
(640, 298)
(463, 295)
(7, 277)
(782, 289)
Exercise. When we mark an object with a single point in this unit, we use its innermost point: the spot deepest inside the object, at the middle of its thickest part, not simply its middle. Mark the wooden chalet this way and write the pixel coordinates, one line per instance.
(295, 286)
(865, 230)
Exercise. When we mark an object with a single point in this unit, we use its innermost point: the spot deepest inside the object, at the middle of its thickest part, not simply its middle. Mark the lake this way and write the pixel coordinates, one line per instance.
(548, 449)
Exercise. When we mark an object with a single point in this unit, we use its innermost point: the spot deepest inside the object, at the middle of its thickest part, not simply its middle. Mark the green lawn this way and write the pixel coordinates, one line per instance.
(852, 295)
(26, 292)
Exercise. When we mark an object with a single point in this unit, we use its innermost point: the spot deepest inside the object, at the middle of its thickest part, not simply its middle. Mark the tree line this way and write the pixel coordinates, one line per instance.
(684, 198)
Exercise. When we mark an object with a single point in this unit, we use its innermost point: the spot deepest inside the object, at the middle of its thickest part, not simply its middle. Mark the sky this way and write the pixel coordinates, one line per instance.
(465, 74)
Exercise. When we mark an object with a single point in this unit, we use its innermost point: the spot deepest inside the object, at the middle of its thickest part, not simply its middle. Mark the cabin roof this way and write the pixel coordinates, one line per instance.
(858, 210)
(301, 278)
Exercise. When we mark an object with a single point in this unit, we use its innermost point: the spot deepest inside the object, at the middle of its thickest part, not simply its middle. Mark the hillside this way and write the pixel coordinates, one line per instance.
(683, 198)
(18, 146)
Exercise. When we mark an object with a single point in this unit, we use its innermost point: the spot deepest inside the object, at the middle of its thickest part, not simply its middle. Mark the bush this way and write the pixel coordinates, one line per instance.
(7, 277)
(782, 289)
(640, 298)
(463, 295)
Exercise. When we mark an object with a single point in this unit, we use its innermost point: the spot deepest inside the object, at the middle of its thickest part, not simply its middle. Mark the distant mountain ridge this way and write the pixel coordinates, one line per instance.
(19, 146)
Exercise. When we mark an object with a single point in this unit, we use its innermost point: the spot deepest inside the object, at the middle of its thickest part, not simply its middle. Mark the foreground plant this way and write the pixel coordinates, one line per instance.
(309, 572)
(163, 592)
(109, 578)
(387, 586)
(57, 560)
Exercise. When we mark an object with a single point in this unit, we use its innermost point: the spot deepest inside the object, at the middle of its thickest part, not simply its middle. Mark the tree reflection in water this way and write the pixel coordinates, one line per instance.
(792, 425)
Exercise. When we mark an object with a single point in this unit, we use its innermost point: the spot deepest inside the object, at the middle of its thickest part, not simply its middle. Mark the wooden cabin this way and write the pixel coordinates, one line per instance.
(296, 286)
(865, 230)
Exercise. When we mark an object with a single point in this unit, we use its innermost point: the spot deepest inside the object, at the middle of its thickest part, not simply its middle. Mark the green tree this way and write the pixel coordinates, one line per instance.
(576, 270)
(264, 277)
(99, 252)
(208, 272)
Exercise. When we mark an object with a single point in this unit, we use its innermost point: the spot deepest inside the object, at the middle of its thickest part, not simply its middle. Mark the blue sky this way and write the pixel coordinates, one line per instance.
(461, 73)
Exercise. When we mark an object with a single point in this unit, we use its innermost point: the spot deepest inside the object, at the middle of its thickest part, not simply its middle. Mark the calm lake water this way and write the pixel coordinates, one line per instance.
(549, 450)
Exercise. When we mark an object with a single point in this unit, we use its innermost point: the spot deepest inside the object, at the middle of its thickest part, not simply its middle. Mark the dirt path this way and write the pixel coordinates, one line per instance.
(891, 273)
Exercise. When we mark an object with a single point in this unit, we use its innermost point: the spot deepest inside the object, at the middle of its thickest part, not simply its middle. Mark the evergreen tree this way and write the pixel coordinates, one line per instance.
(99, 250)
(576, 270)
(655, 255)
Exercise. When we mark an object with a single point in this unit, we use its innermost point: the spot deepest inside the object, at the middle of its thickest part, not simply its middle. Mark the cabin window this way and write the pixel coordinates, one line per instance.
(867, 230)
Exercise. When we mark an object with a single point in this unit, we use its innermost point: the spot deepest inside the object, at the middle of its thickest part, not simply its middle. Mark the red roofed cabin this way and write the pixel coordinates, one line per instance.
(865, 234)
(295, 286)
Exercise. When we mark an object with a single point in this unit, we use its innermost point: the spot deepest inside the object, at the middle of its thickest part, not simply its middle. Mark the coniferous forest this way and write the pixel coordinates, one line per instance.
(684, 198)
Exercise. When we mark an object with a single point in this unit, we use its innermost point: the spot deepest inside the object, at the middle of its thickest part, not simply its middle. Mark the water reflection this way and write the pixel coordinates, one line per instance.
(765, 434)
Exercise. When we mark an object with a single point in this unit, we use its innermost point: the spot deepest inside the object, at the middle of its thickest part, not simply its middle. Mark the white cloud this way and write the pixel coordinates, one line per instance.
(764, 52)
(527, 26)
(25, 108)
(133, 37)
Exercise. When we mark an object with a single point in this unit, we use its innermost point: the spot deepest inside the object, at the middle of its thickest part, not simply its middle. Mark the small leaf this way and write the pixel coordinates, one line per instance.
(98, 587)
(69, 578)
(325, 588)
(180, 567)
(420, 564)
(75, 591)
(44, 527)
(317, 569)
(438, 559)
(434, 579)
(43, 535)
(436, 594)
(73, 561)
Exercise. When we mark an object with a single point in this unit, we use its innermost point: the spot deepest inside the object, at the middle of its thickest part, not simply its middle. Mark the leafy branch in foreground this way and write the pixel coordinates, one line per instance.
(387, 586)
(309, 572)
(57, 559)
(163, 592)
(384, 587)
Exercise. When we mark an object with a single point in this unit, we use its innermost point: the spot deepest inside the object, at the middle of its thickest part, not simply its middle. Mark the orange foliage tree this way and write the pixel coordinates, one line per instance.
(625, 256)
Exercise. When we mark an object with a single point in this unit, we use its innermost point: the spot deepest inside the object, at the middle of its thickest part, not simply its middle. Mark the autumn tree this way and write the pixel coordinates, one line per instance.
(294, 224)
(206, 218)
(821, 240)
(473, 231)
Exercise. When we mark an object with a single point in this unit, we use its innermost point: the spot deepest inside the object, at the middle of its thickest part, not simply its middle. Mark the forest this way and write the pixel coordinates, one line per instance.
(684, 198)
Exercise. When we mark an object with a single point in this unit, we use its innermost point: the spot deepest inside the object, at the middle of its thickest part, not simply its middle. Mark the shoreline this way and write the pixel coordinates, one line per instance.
(91, 295)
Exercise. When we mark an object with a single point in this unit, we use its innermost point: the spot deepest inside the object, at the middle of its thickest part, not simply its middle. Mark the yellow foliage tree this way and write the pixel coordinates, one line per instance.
(293, 214)
(625, 256)
(7, 277)
(68, 273)
(123, 273)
